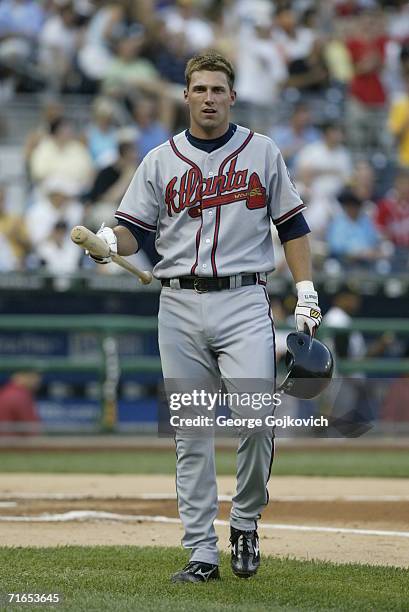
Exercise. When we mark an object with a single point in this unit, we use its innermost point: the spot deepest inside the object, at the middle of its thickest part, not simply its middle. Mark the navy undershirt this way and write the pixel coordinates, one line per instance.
(211, 144)
(289, 230)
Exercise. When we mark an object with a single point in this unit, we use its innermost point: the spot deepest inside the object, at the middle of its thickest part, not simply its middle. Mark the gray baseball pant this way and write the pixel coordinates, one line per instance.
(203, 336)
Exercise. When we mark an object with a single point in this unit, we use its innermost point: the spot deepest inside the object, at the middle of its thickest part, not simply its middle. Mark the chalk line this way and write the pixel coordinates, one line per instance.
(85, 515)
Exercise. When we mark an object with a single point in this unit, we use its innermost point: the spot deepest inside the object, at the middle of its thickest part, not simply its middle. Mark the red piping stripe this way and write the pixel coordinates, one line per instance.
(215, 241)
(273, 330)
(199, 231)
(218, 214)
(198, 234)
(275, 376)
(127, 217)
(289, 214)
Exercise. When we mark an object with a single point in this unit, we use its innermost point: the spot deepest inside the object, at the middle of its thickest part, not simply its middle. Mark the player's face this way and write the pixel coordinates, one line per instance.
(209, 98)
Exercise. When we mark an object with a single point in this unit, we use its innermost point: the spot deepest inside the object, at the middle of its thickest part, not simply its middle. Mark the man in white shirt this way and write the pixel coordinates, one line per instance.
(321, 170)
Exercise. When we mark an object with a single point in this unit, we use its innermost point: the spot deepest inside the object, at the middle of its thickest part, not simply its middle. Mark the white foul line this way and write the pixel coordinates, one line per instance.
(221, 498)
(84, 515)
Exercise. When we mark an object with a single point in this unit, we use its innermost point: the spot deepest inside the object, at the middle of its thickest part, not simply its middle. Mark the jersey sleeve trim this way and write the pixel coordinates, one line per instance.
(146, 226)
(290, 214)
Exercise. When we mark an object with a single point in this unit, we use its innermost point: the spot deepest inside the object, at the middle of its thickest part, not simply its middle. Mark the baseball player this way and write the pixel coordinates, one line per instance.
(210, 194)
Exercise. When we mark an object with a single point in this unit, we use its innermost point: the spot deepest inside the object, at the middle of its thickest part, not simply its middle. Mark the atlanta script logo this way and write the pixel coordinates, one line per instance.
(197, 193)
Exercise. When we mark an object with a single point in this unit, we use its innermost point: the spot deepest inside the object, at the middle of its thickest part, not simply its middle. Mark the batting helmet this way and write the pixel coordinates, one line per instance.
(309, 365)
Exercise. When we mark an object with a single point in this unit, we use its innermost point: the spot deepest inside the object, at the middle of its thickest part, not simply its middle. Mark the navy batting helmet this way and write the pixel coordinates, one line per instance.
(309, 365)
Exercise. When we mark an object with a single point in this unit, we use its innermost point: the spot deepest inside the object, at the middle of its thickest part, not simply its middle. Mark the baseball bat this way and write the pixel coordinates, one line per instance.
(88, 240)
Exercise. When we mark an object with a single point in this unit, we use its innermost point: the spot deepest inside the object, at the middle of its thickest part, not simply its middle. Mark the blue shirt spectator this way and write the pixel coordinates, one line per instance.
(150, 137)
(352, 233)
(21, 17)
(293, 137)
(101, 133)
(151, 132)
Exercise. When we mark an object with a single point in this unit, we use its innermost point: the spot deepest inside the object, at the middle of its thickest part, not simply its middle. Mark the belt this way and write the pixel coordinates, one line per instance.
(203, 284)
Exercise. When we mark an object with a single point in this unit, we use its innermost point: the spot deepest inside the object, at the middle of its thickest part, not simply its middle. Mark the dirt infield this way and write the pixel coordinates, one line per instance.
(339, 519)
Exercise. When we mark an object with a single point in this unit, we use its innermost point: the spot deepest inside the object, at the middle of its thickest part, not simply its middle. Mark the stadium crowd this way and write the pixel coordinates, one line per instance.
(328, 81)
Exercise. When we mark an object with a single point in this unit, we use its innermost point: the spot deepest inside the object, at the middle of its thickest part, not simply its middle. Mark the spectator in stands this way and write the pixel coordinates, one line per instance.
(261, 68)
(59, 42)
(292, 137)
(302, 51)
(321, 169)
(324, 166)
(58, 255)
(104, 29)
(392, 215)
(352, 235)
(129, 71)
(171, 55)
(363, 184)
(367, 95)
(21, 19)
(399, 120)
(348, 344)
(18, 411)
(186, 16)
(151, 131)
(51, 110)
(349, 8)
(345, 344)
(337, 55)
(20, 25)
(101, 134)
(15, 243)
(62, 154)
(111, 183)
(55, 202)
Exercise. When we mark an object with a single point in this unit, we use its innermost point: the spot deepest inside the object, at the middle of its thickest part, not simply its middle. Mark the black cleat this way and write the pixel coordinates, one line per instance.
(195, 571)
(245, 552)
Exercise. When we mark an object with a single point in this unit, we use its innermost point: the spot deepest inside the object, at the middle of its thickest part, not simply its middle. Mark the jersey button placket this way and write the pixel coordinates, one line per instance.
(205, 247)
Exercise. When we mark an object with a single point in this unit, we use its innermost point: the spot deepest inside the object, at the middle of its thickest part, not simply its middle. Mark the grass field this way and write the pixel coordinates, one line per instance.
(130, 578)
(342, 462)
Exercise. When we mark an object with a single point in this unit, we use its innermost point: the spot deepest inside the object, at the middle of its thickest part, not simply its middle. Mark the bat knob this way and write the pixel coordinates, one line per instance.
(76, 234)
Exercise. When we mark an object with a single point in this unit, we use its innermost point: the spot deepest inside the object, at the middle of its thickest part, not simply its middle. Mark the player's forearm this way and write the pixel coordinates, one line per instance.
(298, 257)
(127, 243)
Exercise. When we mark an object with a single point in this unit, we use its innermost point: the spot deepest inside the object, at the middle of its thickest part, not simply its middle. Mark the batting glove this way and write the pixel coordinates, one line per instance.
(107, 235)
(307, 312)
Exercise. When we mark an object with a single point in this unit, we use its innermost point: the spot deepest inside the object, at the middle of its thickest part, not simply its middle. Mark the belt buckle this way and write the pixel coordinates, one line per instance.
(198, 287)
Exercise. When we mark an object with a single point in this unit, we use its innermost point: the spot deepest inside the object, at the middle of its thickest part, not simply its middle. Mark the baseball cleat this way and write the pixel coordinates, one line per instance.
(195, 571)
(245, 552)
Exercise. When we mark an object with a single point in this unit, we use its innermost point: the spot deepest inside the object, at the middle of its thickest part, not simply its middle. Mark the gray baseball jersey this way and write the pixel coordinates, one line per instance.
(211, 211)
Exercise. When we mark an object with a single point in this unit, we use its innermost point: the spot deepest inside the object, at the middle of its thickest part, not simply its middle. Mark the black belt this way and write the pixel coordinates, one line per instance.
(203, 284)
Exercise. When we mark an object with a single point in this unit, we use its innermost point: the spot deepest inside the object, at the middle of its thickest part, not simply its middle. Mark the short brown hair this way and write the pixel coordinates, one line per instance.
(212, 61)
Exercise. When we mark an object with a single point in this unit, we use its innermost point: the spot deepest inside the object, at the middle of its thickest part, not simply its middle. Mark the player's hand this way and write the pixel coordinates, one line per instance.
(107, 235)
(307, 312)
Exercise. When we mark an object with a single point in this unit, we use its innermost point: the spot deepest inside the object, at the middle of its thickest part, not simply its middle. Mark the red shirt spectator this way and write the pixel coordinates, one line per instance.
(392, 215)
(347, 8)
(367, 47)
(17, 404)
(368, 57)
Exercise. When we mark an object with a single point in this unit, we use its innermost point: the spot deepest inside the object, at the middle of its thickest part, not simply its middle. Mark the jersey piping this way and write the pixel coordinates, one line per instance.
(127, 217)
(218, 211)
(199, 231)
(289, 214)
